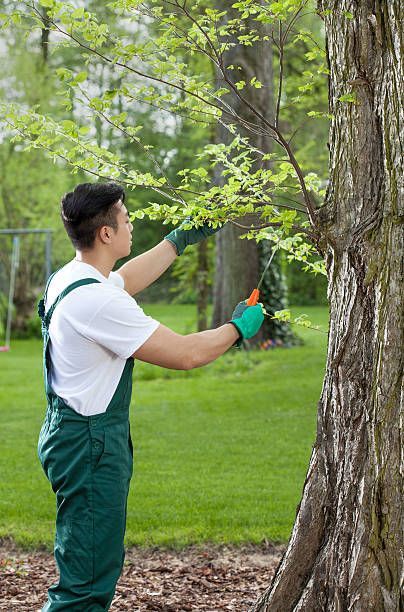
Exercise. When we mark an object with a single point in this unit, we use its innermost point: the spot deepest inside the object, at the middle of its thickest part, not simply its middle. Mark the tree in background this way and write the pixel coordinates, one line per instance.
(239, 263)
(28, 181)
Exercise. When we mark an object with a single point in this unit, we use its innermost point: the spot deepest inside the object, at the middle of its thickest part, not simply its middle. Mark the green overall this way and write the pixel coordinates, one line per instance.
(89, 463)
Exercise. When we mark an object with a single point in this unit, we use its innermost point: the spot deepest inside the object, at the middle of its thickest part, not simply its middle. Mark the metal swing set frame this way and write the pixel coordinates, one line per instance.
(15, 259)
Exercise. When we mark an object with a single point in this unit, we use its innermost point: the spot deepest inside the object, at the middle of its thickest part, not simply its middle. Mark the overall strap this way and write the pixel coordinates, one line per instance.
(46, 318)
(41, 303)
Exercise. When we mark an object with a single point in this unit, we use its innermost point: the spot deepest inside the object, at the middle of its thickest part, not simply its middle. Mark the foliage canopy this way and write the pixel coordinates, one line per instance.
(149, 52)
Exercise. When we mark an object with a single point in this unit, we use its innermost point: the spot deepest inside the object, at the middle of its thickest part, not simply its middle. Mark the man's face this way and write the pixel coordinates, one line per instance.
(123, 235)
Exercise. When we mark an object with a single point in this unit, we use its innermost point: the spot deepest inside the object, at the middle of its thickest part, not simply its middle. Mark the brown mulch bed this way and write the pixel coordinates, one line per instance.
(208, 579)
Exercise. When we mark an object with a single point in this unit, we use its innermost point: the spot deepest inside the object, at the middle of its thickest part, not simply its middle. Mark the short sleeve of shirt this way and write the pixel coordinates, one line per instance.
(120, 325)
(116, 279)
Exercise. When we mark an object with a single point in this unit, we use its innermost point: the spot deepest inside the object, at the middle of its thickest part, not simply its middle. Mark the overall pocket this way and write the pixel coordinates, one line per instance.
(97, 447)
(48, 438)
(41, 438)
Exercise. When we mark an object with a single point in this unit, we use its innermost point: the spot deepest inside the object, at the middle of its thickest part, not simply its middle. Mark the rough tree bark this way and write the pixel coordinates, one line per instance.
(345, 552)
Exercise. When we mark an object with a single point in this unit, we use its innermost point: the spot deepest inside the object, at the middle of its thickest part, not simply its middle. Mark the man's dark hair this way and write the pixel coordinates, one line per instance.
(88, 207)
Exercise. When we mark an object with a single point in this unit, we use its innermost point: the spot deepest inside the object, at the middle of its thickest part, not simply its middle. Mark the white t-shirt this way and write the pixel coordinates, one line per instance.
(93, 330)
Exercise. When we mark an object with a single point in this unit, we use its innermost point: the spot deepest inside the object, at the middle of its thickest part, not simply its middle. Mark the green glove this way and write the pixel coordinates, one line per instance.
(247, 320)
(181, 238)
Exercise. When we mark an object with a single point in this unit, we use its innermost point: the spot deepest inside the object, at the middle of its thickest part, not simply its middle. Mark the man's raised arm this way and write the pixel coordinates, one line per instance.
(143, 270)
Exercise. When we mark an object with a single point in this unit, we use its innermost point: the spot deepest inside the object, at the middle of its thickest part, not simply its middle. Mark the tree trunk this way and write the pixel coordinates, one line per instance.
(239, 263)
(344, 552)
(236, 272)
(202, 286)
(45, 37)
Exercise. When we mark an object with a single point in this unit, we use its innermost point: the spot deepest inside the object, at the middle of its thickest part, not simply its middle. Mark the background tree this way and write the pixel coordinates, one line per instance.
(27, 180)
(239, 263)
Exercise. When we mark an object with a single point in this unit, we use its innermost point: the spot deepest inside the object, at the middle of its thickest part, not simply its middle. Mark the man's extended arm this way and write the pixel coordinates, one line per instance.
(168, 349)
(171, 350)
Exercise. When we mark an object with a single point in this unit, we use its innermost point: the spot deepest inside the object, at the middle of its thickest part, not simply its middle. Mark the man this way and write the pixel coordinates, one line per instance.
(93, 330)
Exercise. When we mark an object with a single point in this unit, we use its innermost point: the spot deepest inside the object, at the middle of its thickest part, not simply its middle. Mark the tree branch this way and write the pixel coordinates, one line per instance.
(297, 228)
(278, 103)
(133, 70)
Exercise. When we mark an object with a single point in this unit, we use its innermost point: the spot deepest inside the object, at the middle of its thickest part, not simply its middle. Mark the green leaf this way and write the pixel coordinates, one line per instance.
(68, 125)
(78, 13)
(80, 77)
(118, 119)
(201, 172)
(110, 94)
(255, 83)
(282, 315)
(319, 115)
(64, 74)
(137, 214)
(349, 97)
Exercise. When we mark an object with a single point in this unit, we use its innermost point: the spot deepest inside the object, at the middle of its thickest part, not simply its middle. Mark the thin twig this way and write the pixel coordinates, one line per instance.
(174, 112)
(292, 22)
(297, 324)
(206, 36)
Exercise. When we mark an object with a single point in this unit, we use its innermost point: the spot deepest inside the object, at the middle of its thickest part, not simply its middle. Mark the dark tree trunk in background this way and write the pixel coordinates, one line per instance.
(30, 272)
(236, 272)
(202, 285)
(345, 552)
(45, 37)
(239, 263)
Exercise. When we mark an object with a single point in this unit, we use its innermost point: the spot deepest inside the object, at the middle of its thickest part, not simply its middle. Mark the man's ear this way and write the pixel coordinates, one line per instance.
(104, 234)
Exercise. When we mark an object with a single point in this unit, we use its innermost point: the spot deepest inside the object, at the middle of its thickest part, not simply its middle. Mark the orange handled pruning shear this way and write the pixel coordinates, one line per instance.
(255, 294)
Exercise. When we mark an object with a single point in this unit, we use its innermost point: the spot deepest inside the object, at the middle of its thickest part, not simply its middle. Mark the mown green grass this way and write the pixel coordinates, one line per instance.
(221, 452)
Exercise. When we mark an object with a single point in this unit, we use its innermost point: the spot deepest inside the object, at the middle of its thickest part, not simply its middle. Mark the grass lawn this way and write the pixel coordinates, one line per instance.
(221, 452)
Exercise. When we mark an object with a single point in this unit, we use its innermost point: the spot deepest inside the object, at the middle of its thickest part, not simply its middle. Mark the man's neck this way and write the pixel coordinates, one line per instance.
(102, 264)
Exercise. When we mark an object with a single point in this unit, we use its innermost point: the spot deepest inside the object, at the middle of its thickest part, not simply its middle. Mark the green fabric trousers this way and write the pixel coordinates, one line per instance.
(89, 463)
